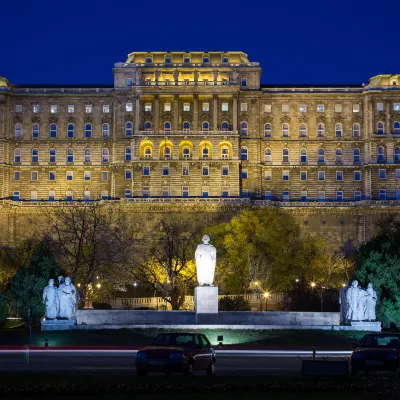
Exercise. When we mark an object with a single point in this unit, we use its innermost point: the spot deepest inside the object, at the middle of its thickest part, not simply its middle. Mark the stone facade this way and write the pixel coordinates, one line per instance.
(198, 133)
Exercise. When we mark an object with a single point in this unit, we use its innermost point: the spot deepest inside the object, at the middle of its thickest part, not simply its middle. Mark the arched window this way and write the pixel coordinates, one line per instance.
(70, 130)
(380, 154)
(52, 155)
(18, 130)
(167, 153)
(338, 130)
(88, 130)
(53, 130)
(224, 152)
(396, 128)
(186, 153)
(35, 155)
(147, 126)
(105, 130)
(205, 151)
(167, 126)
(356, 155)
(35, 130)
(205, 126)
(17, 155)
(243, 154)
(380, 130)
(88, 155)
(321, 155)
(303, 130)
(285, 155)
(285, 130)
(243, 128)
(267, 130)
(303, 155)
(356, 130)
(397, 154)
(70, 155)
(148, 152)
(321, 130)
(267, 155)
(105, 155)
(128, 153)
(224, 126)
(339, 155)
(186, 126)
(129, 129)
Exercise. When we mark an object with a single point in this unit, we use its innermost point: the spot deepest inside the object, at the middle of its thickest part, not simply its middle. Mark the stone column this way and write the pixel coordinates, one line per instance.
(195, 112)
(137, 113)
(156, 114)
(176, 113)
(215, 112)
(235, 113)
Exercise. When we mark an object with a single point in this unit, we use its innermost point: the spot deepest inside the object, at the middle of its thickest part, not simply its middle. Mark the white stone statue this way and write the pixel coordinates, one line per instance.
(343, 302)
(361, 303)
(206, 258)
(68, 300)
(176, 76)
(60, 280)
(370, 307)
(50, 300)
(352, 302)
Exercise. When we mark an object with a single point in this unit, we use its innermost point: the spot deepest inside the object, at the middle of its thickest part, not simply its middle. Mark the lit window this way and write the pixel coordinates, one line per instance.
(53, 130)
(268, 195)
(267, 155)
(18, 109)
(382, 194)
(396, 107)
(35, 155)
(267, 130)
(268, 175)
(321, 175)
(303, 195)
(382, 174)
(303, 155)
(356, 130)
(88, 109)
(146, 171)
(285, 108)
(380, 128)
(339, 175)
(165, 171)
(339, 196)
(204, 171)
(285, 155)
(356, 108)
(106, 109)
(71, 109)
(15, 196)
(105, 155)
(356, 155)
(88, 130)
(285, 175)
(148, 126)
(17, 175)
(267, 108)
(185, 191)
(52, 176)
(34, 195)
(52, 155)
(303, 130)
(225, 107)
(70, 130)
(87, 155)
(357, 176)
(243, 128)
(321, 155)
(321, 130)
(128, 107)
(167, 107)
(243, 154)
(36, 109)
(225, 170)
(147, 107)
(70, 175)
(17, 155)
(244, 82)
(104, 175)
(70, 155)
(186, 126)
(379, 106)
(357, 195)
(186, 106)
(129, 129)
(243, 106)
(303, 108)
(86, 175)
(18, 130)
(105, 130)
(244, 174)
(129, 82)
(34, 176)
(320, 108)
(185, 170)
(303, 175)
(338, 130)
(285, 130)
(338, 108)
(339, 155)
(128, 174)
(53, 109)
(205, 106)
(321, 196)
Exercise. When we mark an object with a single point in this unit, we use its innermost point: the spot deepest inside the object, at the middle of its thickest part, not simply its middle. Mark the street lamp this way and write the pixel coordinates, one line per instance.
(266, 295)
(313, 284)
(98, 286)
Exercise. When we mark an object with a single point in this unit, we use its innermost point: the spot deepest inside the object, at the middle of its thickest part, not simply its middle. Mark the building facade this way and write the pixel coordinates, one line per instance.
(201, 126)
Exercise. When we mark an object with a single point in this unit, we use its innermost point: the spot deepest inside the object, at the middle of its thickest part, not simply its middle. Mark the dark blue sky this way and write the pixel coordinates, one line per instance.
(325, 41)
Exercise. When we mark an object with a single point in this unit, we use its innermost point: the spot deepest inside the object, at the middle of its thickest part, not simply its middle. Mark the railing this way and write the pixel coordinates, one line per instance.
(187, 133)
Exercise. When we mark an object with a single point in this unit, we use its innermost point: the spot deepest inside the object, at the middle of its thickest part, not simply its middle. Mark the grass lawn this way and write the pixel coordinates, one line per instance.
(289, 339)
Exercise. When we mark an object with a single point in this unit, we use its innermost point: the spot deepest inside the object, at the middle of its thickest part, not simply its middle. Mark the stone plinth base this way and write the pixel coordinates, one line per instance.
(206, 300)
(366, 326)
(57, 324)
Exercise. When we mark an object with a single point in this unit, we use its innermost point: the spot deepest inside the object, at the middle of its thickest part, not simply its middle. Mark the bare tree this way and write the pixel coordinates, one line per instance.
(168, 266)
(92, 242)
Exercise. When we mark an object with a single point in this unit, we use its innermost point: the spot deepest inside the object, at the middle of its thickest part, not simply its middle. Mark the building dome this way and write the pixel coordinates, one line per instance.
(3, 82)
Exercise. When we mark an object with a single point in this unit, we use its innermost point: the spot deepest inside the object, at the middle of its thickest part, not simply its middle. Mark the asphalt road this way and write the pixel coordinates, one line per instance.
(123, 363)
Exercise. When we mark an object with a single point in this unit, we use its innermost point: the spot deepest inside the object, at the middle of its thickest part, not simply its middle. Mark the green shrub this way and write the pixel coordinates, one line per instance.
(101, 306)
(3, 307)
(236, 303)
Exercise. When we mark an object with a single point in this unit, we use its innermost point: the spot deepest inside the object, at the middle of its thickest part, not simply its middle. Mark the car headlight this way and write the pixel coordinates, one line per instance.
(392, 356)
(141, 355)
(358, 355)
(176, 355)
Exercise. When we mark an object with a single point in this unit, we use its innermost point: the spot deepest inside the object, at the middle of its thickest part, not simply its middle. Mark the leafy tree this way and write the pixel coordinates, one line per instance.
(3, 307)
(168, 268)
(26, 287)
(233, 303)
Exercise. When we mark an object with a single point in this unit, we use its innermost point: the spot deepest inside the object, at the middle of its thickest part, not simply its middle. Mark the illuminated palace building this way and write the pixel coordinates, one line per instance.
(200, 125)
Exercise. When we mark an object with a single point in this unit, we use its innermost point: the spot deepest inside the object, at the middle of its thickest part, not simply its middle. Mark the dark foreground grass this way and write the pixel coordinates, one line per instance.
(378, 386)
(139, 337)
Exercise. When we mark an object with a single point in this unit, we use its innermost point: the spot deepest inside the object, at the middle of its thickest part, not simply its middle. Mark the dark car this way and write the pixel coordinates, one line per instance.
(177, 352)
(380, 351)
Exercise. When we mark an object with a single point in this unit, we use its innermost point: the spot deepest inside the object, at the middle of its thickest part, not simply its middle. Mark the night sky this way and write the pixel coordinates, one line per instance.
(325, 41)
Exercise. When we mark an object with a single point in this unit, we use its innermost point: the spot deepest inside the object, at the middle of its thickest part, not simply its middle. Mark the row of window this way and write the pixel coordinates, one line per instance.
(187, 59)
(320, 175)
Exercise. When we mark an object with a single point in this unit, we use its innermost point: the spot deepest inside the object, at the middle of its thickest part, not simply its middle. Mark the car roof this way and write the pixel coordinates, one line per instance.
(181, 333)
(383, 334)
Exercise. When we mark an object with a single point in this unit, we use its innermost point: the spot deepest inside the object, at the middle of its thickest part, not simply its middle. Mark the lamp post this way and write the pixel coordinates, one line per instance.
(266, 295)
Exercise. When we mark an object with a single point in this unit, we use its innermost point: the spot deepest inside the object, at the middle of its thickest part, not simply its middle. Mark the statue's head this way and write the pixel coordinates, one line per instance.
(370, 286)
(51, 282)
(67, 280)
(60, 279)
(206, 239)
(354, 284)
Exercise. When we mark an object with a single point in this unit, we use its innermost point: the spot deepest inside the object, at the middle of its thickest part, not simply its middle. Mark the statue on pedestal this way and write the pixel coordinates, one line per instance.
(157, 75)
(68, 300)
(352, 302)
(196, 76)
(176, 76)
(50, 300)
(206, 258)
(215, 76)
(370, 307)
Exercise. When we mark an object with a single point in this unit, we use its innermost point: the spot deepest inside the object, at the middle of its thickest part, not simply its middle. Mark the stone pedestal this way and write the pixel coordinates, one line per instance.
(366, 326)
(206, 300)
(57, 324)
